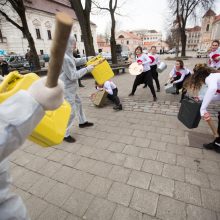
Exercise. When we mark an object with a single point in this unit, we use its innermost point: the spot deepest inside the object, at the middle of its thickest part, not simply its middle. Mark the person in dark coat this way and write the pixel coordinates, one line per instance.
(4, 66)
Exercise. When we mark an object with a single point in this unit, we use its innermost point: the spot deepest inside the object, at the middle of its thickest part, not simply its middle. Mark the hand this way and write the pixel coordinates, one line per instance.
(174, 82)
(196, 98)
(206, 116)
(49, 98)
(90, 68)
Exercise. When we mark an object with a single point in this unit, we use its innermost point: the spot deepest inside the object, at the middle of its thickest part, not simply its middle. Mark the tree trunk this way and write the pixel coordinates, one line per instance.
(83, 16)
(183, 42)
(113, 41)
(87, 35)
(30, 40)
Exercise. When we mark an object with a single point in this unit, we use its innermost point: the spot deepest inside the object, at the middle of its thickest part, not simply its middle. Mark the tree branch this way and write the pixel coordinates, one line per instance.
(10, 20)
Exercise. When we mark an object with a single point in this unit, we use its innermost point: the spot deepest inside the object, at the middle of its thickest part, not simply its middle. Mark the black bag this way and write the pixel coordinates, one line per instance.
(189, 113)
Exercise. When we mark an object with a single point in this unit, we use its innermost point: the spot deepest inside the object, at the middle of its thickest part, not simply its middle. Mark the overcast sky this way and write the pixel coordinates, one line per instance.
(141, 14)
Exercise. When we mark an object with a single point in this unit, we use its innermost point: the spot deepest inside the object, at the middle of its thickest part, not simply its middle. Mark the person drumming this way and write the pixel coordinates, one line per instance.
(146, 76)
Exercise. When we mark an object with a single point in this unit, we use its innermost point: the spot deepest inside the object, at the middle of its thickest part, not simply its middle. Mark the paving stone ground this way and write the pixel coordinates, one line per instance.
(135, 164)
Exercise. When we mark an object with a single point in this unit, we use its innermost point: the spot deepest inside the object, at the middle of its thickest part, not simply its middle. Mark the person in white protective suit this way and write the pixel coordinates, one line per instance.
(14, 128)
(70, 75)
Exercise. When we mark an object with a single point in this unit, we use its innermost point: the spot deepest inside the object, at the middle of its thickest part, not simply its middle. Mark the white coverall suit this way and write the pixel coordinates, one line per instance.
(69, 75)
(19, 115)
(14, 128)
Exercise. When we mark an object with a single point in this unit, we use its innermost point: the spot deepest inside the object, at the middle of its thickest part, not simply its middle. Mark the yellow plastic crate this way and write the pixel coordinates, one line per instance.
(51, 129)
(102, 72)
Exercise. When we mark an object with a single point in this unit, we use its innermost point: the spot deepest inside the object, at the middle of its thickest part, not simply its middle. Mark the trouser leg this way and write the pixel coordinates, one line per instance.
(149, 82)
(155, 76)
(79, 110)
(114, 97)
(136, 83)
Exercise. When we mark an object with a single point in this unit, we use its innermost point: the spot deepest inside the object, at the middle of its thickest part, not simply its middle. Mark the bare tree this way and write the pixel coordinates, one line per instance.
(83, 15)
(182, 10)
(112, 7)
(19, 7)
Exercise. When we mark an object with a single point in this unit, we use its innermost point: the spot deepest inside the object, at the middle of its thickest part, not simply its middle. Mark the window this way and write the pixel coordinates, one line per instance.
(82, 38)
(1, 34)
(41, 52)
(127, 42)
(49, 35)
(38, 33)
(207, 27)
(75, 36)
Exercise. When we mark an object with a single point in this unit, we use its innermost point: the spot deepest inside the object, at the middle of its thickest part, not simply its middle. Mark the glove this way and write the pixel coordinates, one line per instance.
(49, 98)
(90, 68)
(206, 116)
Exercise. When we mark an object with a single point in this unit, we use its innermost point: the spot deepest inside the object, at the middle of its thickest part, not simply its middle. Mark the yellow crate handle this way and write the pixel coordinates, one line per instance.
(10, 78)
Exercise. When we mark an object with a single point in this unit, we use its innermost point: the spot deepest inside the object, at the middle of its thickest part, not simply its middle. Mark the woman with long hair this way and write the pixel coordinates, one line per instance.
(146, 76)
(211, 78)
(214, 55)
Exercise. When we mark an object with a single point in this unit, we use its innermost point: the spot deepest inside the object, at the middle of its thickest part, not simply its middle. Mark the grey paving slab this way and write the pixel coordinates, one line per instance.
(119, 174)
(173, 172)
(162, 185)
(120, 193)
(170, 209)
(100, 209)
(151, 166)
(133, 162)
(195, 212)
(139, 179)
(124, 213)
(78, 203)
(187, 193)
(99, 186)
(144, 201)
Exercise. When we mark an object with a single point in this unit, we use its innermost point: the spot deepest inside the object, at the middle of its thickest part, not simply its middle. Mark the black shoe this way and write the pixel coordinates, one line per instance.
(81, 85)
(158, 90)
(69, 139)
(131, 94)
(210, 146)
(86, 124)
(155, 99)
(144, 86)
(118, 107)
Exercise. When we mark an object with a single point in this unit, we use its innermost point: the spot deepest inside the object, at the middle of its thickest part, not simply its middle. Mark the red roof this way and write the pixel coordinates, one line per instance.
(209, 13)
(196, 28)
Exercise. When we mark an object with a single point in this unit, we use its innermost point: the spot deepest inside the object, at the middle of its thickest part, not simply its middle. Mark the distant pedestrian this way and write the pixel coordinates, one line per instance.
(29, 56)
(4, 67)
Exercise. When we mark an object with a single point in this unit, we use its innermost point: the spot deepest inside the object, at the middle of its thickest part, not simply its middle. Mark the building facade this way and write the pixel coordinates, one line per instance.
(40, 16)
(207, 29)
(128, 40)
(193, 37)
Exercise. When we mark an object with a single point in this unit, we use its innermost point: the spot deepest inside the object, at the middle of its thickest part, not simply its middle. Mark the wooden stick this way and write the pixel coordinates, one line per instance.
(213, 128)
(62, 31)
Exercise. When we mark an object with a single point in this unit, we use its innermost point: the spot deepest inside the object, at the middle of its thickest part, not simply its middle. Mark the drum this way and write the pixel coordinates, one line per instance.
(170, 88)
(135, 69)
(161, 67)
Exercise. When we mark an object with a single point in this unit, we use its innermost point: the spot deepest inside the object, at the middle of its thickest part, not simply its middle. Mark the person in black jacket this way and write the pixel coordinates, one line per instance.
(4, 67)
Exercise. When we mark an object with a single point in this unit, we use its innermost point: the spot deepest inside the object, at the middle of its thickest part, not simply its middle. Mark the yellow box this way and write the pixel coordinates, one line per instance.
(102, 72)
(51, 129)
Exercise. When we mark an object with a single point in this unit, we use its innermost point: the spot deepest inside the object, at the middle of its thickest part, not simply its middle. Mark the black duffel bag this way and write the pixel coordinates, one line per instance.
(189, 112)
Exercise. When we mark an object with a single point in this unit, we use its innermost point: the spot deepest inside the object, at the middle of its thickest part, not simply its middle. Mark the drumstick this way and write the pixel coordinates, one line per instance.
(62, 31)
(213, 128)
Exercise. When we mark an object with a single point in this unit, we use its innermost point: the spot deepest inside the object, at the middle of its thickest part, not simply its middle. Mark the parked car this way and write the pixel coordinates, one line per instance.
(172, 51)
(201, 53)
(106, 55)
(124, 56)
(42, 63)
(15, 61)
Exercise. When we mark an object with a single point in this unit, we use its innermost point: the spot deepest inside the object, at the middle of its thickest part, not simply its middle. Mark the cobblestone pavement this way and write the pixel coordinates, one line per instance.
(135, 164)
